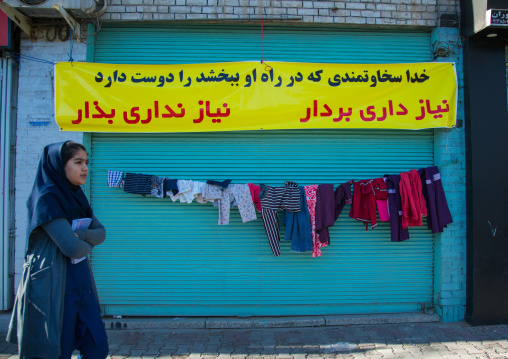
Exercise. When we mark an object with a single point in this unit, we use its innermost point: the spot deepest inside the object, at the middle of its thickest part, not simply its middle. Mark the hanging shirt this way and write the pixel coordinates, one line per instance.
(115, 179)
(184, 192)
(158, 187)
(137, 183)
(413, 203)
(196, 191)
(170, 186)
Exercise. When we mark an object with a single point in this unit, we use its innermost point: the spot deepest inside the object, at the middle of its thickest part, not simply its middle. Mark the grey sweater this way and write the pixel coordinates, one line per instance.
(71, 245)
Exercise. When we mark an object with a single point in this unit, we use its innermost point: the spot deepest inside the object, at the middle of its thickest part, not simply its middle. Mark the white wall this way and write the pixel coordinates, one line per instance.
(35, 103)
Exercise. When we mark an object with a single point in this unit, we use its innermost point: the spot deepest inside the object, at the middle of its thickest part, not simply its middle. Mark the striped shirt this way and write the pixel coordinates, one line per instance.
(137, 183)
(287, 197)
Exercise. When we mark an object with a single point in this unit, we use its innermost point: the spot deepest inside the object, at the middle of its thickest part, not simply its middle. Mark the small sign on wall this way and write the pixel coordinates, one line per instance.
(497, 17)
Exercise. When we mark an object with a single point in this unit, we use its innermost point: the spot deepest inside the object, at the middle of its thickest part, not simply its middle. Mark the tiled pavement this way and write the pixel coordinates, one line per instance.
(417, 340)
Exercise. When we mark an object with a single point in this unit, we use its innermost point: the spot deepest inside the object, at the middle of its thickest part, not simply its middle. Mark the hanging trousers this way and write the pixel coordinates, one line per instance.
(274, 199)
(398, 234)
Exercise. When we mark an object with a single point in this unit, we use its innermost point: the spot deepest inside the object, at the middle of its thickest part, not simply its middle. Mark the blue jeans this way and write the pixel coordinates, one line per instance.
(298, 226)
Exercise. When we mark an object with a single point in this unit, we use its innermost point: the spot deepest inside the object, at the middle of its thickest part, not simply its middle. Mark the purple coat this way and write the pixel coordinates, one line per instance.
(438, 213)
(329, 205)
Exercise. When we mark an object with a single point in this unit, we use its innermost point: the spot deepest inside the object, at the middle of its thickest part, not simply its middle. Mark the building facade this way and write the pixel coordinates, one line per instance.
(485, 34)
(170, 259)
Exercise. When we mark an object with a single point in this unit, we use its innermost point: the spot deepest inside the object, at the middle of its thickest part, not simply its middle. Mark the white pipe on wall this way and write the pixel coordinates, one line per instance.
(6, 178)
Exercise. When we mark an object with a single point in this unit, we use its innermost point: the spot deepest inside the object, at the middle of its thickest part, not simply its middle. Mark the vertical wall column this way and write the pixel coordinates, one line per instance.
(449, 150)
(8, 101)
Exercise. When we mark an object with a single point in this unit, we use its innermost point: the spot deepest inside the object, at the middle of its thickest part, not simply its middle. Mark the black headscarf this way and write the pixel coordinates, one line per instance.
(53, 196)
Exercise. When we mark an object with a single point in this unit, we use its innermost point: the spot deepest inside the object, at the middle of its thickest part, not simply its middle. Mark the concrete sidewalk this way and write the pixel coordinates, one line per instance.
(266, 322)
(375, 336)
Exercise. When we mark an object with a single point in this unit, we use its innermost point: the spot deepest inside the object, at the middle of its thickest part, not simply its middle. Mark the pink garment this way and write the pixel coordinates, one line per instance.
(382, 209)
(310, 194)
(254, 191)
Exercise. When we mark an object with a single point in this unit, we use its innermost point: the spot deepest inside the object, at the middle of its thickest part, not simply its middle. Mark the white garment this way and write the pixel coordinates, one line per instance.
(210, 193)
(197, 189)
(184, 187)
(240, 193)
(187, 191)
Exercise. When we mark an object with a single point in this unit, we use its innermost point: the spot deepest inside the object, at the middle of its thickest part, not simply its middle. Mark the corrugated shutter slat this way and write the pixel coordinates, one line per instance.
(165, 258)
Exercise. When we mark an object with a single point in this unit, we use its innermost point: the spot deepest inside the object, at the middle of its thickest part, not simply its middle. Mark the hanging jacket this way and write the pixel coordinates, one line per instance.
(329, 206)
(325, 212)
(342, 196)
(413, 203)
(364, 200)
(438, 213)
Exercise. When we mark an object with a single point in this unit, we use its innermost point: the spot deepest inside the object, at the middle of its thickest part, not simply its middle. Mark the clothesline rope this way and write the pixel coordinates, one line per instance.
(403, 199)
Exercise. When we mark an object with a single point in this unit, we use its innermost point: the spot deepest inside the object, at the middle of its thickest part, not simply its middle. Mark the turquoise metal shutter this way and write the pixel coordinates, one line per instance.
(165, 258)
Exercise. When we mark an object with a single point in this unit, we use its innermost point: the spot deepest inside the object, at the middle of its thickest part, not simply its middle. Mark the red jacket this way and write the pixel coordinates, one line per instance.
(413, 203)
(365, 194)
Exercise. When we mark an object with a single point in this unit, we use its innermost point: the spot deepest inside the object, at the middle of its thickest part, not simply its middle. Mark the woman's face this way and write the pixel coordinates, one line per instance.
(76, 169)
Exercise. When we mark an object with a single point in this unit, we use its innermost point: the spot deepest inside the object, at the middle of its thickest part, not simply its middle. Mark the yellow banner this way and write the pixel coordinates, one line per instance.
(239, 96)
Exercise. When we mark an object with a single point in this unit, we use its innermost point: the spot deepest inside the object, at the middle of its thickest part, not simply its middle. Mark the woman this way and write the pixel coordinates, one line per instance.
(57, 309)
